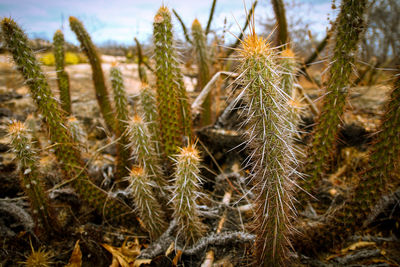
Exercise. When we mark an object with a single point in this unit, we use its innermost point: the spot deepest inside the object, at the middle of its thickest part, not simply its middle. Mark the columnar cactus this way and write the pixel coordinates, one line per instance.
(67, 154)
(173, 107)
(97, 72)
(382, 170)
(145, 151)
(185, 193)
(350, 24)
(289, 68)
(30, 178)
(203, 64)
(279, 10)
(141, 69)
(272, 158)
(77, 133)
(122, 117)
(149, 209)
(62, 75)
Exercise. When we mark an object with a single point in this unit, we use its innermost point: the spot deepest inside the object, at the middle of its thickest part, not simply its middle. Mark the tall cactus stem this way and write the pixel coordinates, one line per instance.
(97, 72)
(350, 24)
(272, 162)
(173, 107)
(186, 192)
(62, 75)
(122, 117)
(30, 179)
(148, 208)
(145, 151)
(203, 65)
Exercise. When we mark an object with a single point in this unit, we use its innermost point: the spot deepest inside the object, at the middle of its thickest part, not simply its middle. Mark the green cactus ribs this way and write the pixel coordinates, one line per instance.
(349, 26)
(172, 103)
(62, 75)
(273, 158)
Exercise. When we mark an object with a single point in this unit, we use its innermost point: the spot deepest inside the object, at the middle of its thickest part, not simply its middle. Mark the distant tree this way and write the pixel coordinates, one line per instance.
(382, 37)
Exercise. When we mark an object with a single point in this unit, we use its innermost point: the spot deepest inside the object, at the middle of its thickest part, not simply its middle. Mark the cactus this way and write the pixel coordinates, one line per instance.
(279, 10)
(62, 75)
(350, 24)
(30, 180)
(289, 67)
(141, 69)
(185, 194)
(122, 117)
(382, 170)
(148, 108)
(145, 151)
(149, 210)
(173, 107)
(203, 64)
(65, 151)
(210, 17)
(77, 133)
(272, 158)
(97, 72)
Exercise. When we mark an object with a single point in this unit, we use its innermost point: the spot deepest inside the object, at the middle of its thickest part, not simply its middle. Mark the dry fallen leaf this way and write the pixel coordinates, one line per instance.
(358, 245)
(125, 256)
(76, 257)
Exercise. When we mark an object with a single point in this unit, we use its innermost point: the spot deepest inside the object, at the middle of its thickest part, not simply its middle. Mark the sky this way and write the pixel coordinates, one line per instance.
(122, 20)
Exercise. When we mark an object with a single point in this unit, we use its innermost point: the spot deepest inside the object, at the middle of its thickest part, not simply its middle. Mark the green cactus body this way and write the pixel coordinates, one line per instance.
(62, 75)
(382, 170)
(30, 178)
(272, 157)
(289, 68)
(203, 63)
(149, 209)
(77, 133)
(173, 106)
(185, 193)
(350, 24)
(97, 72)
(279, 10)
(121, 107)
(67, 154)
(145, 151)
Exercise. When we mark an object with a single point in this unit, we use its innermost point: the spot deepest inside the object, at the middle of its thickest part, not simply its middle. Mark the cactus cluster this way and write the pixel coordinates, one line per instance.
(156, 147)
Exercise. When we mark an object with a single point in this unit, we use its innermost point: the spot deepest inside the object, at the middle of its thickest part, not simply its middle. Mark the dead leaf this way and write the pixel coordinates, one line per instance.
(125, 256)
(76, 257)
(358, 245)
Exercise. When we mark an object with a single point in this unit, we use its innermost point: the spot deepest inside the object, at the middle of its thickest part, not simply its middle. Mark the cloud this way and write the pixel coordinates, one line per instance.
(121, 20)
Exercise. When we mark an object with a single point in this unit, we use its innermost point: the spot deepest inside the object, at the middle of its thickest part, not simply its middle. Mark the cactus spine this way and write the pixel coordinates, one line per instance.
(149, 209)
(288, 65)
(30, 180)
(350, 24)
(272, 156)
(122, 115)
(97, 72)
(66, 153)
(62, 75)
(185, 194)
(173, 106)
(203, 63)
(77, 133)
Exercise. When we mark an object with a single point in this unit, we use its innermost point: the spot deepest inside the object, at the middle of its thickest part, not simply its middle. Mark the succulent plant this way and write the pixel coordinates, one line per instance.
(272, 157)
(97, 72)
(62, 75)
